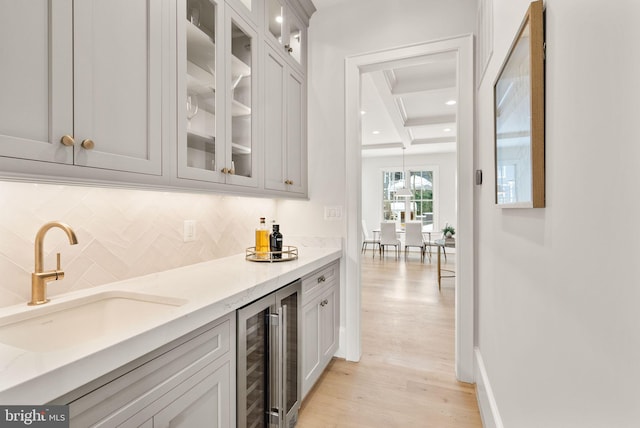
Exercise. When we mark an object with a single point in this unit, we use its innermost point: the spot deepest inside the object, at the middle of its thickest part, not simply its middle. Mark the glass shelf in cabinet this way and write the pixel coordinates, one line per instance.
(199, 80)
(202, 142)
(239, 109)
(239, 68)
(200, 48)
(240, 149)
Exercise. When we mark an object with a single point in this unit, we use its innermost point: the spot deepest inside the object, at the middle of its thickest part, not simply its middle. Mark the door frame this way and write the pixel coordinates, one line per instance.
(464, 280)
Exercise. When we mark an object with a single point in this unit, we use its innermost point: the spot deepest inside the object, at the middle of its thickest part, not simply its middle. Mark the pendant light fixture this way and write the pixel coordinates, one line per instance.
(404, 192)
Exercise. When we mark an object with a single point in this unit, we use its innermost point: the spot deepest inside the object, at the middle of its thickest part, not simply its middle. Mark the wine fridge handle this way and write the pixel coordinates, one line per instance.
(274, 412)
(280, 362)
(284, 364)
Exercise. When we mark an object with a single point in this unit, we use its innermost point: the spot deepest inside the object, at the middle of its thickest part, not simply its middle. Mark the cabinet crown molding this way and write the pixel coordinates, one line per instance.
(304, 9)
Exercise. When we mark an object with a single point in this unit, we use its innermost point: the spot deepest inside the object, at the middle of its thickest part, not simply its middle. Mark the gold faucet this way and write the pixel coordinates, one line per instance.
(39, 278)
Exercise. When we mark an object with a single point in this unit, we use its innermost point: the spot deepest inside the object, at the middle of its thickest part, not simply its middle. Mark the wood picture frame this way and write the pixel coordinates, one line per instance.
(519, 111)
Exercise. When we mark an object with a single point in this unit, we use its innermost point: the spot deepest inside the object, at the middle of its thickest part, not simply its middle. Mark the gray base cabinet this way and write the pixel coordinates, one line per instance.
(187, 383)
(320, 322)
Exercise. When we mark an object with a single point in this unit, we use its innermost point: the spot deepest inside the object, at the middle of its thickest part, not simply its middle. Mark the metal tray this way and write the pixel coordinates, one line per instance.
(287, 254)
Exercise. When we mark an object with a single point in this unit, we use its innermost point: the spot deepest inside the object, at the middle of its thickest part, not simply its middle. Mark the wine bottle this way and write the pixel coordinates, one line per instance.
(275, 242)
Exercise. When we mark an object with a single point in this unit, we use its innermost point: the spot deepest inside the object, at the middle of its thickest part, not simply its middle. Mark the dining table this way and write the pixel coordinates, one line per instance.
(441, 244)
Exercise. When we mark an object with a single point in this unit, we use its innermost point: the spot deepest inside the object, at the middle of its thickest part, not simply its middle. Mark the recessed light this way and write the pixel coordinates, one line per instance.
(279, 19)
(362, 112)
(375, 132)
(451, 102)
(447, 129)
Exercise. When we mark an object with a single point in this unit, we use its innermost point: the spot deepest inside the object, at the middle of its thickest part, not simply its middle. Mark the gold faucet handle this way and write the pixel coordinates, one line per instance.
(59, 272)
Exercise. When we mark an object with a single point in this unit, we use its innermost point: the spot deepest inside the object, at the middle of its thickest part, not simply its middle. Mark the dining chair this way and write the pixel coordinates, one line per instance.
(366, 241)
(413, 238)
(388, 237)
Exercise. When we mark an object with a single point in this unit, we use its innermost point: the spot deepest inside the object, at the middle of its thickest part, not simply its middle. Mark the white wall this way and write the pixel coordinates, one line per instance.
(558, 288)
(336, 32)
(445, 185)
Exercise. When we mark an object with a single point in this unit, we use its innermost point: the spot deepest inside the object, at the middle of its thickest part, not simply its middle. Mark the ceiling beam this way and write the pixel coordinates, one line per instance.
(389, 101)
(382, 146)
(435, 140)
(420, 87)
(430, 120)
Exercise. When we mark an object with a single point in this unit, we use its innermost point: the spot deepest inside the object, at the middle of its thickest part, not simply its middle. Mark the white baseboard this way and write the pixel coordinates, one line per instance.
(484, 393)
(340, 353)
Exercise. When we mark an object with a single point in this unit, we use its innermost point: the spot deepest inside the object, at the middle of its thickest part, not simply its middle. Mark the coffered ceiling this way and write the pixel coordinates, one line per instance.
(404, 103)
(411, 105)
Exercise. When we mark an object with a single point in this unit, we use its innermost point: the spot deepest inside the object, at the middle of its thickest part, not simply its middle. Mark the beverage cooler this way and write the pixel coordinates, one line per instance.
(269, 382)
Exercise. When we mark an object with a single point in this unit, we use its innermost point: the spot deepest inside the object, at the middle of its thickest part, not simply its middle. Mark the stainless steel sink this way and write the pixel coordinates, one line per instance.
(58, 326)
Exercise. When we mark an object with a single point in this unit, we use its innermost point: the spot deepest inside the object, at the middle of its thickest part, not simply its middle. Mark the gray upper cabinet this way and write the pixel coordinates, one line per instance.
(217, 85)
(78, 90)
(176, 95)
(285, 31)
(36, 80)
(285, 126)
(117, 85)
(250, 9)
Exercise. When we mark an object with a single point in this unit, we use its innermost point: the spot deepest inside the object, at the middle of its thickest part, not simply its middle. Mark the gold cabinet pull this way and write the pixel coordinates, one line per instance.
(225, 171)
(288, 181)
(88, 144)
(67, 140)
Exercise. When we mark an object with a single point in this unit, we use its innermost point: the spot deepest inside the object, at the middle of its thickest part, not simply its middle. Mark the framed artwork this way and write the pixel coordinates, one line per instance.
(519, 117)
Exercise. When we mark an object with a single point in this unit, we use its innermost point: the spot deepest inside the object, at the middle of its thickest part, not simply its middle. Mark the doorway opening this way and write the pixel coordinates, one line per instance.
(461, 49)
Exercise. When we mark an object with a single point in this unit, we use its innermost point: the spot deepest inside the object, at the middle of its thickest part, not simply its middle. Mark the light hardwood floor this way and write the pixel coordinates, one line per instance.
(406, 376)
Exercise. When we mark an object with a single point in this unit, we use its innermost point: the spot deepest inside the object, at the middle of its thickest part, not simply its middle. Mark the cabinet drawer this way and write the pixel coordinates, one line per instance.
(319, 280)
(121, 397)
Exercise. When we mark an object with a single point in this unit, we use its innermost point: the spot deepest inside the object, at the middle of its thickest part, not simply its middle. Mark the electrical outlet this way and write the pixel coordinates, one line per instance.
(189, 230)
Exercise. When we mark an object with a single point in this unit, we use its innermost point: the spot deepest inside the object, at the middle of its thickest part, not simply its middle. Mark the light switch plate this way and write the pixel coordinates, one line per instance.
(333, 213)
(189, 230)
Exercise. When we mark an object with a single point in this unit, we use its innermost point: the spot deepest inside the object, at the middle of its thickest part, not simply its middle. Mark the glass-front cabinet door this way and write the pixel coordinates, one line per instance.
(247, 8)
(216, 94)
(242, 97)
(200, 141)
(285, 31)
(274, 16)
(296, 39)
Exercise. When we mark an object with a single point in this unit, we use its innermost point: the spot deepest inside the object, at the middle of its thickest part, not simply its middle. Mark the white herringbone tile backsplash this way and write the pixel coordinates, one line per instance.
(121, 233)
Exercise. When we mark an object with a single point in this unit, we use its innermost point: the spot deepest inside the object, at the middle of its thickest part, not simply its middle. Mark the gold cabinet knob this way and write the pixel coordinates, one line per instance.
(67, 140)
(88, 144)
(225, 171)
(288, 182)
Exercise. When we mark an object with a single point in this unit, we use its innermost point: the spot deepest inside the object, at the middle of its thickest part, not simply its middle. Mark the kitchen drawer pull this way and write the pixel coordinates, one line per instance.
(324, 302)
(321, 279)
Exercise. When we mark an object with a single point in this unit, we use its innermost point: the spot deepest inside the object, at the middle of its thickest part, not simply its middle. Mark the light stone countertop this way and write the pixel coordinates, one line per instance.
(211, 289)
